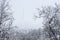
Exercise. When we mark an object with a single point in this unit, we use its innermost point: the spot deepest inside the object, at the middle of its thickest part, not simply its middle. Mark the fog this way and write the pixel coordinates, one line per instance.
(24, 11)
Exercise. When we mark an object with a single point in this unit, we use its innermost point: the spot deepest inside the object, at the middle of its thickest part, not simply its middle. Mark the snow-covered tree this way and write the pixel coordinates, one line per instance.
(51, 21)
(6, 20)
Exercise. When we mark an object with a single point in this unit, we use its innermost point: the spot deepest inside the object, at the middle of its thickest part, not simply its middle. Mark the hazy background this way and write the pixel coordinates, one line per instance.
(24, 11)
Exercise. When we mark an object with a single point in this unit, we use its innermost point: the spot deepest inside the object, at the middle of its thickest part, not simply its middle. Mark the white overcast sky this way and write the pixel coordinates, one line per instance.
(24, 11)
